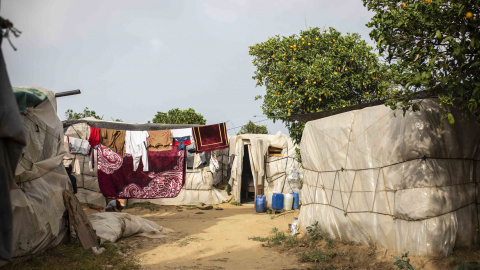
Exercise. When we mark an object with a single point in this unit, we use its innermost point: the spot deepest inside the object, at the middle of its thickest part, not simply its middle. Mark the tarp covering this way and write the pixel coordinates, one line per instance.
(199, 180)
(111, 226)
(12, 139)
(408, 183)
(269, 172)
(37, 202)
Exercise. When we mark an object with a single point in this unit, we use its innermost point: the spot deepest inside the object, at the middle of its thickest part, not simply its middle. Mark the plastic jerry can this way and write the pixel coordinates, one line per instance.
(295, 200)
(288, 202)
(277, 201)
(269, 199)
(260, 204)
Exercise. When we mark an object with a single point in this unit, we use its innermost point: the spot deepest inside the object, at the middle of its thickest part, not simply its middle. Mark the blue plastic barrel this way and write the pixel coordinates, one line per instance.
(295, 200)
(260, 204)
(277, 201)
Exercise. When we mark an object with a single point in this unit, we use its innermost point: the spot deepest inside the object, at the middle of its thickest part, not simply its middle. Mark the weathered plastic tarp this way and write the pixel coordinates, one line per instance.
(408, 183)
(199, 181)
(12, 140)
(270, 172)
(111, 226)
(37, 202)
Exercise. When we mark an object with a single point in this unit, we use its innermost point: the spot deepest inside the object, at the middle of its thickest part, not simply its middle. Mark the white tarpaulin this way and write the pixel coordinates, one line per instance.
(111, 226)
(409, 183)
(37, 202)
(271, 173)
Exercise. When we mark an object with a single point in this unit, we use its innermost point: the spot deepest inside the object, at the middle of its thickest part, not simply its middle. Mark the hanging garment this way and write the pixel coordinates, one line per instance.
(113, 139)
(190, 155)
(209, 138)
(181, 142)
(182, 132)
(136, 145)
(159, 140)
(94, 138)
(164, 179)
(69, 158)
(78, 146)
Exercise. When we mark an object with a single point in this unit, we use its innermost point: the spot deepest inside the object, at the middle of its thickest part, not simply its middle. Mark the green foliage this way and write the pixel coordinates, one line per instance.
(317, 70)
(316, 255)
(278, 238)
(73, 256)
(314, 233)
(236, 203)
(177, 116)
(434, 45)
(71, 115)
(403, 262)
(251, 128)
(466, 265)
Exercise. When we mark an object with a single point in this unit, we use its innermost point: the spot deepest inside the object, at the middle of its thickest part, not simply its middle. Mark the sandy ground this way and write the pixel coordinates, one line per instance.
(214, 239)
(219, 239)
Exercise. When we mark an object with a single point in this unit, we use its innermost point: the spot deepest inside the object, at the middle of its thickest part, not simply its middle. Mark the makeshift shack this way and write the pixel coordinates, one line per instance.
(199, 184)
(262, 163)
(408, 183)
(40, 177)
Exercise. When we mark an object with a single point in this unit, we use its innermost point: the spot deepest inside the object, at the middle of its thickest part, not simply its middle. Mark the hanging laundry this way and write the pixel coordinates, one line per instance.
(159, 140)
(113, 139)
(182, 132)
(94, 138)
(211, 137)
(78, 146)
(164, 179)
(69, 158)
(136, 145)
(181, 142)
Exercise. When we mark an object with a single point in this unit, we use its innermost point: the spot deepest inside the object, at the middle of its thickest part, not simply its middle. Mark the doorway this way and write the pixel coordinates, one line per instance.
(247, 189)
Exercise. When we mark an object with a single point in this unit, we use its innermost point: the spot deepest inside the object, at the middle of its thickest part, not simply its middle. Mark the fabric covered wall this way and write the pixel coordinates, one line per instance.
(271, 172)
(40, 179)
(408, 183)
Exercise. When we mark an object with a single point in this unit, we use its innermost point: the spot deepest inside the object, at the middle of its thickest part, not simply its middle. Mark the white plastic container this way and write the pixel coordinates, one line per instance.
(269, 199)
(288, 202)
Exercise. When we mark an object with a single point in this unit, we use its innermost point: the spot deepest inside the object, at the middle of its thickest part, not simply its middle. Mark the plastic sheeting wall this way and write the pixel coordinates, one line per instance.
(198, 188)
(37, 202)
(271, 172)
(409, 183)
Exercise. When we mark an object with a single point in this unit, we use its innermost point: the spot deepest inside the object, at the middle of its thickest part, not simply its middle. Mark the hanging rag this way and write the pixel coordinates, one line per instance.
(182, 132)
(159, 140)
(181, 142)
(214, 166)
(209, 138)
(164, 179)
(78, 146)
(136, 145)
(94, 138)
(113, 139)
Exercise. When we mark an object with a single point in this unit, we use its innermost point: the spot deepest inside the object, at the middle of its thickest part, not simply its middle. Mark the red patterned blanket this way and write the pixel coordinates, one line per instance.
(210, 138)
(164, 179)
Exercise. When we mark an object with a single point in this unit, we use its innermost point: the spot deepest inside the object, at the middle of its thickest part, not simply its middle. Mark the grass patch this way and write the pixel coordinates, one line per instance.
(278, 238)
(145, 205)
(73, 256)
(316, 255)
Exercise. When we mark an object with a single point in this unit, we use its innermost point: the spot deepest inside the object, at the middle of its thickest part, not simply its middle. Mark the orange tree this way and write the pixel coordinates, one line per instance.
(435, 46)
(314, 71)
(177, 116)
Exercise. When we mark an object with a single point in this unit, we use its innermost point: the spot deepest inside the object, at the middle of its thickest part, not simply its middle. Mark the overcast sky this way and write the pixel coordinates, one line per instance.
(133, 58)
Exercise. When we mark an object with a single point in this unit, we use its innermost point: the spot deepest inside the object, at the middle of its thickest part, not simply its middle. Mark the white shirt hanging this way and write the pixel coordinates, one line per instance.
(136, 145)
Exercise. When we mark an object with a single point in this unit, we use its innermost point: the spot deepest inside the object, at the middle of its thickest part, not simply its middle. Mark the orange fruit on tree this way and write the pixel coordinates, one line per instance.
(469, 15)
(404, 5)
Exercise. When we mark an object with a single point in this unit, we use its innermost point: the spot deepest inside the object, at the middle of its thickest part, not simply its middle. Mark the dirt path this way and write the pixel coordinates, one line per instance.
(219, 239)
(213, 239)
